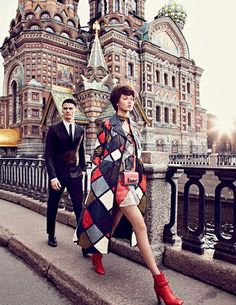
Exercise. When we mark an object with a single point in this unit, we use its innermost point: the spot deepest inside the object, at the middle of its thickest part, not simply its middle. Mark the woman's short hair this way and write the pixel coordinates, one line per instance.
(117, 92)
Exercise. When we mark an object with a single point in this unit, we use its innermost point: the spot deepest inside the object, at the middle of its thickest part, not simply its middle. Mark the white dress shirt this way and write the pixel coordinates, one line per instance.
(67, 128)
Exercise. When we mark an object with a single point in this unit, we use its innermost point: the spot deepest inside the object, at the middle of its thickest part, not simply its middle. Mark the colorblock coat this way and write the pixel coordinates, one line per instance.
(94, 229)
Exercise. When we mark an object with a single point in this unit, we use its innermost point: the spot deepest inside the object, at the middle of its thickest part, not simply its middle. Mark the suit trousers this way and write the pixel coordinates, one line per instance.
(75, 190)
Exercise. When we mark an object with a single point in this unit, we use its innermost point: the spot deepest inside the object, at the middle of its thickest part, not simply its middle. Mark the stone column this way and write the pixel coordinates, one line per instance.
(213, 159)
(158, 199)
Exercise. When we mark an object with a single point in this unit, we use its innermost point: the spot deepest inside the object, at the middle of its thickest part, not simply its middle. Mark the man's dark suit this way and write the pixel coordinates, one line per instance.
(65, 160)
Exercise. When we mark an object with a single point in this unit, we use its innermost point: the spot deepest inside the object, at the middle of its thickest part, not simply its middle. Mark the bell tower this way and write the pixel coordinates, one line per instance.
(102, 8)
(40, 53)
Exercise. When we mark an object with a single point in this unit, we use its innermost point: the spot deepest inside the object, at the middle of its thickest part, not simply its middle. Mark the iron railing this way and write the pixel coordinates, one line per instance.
(204, 159)
(193, 239)
(28, 176)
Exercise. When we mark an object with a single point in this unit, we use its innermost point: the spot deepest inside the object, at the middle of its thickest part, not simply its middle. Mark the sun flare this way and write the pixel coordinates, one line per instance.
(224, 125)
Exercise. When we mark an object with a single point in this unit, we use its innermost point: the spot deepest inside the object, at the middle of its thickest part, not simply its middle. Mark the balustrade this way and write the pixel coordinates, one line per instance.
(193, 239)
(28, 176)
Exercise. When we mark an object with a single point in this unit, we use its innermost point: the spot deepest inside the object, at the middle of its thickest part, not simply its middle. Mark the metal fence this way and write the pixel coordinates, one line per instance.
(28, 176)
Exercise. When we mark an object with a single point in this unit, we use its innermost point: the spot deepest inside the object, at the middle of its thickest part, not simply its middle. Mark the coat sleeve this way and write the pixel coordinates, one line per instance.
(49, 154)
(100, 150)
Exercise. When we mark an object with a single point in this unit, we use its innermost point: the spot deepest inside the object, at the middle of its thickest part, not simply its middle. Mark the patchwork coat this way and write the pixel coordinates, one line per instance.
(94, 229)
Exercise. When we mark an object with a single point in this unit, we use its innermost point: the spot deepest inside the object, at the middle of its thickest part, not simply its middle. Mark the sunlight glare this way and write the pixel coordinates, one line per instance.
(224, 125)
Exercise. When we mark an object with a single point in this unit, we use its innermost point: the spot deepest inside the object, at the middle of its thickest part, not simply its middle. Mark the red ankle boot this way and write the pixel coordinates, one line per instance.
(164, 292)
(97, 263)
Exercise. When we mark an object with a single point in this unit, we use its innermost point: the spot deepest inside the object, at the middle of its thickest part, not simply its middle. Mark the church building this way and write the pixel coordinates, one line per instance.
(48, 57)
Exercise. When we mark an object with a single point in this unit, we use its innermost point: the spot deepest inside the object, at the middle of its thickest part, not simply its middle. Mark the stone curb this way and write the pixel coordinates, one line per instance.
(214, 272)
(73, 289)
(69, 286)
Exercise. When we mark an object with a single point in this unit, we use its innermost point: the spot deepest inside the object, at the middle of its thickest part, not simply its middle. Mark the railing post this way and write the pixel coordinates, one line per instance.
(158, 199)
(213, 159)
(169, 234)
(193, 238)
(225, 249)
(43, 181)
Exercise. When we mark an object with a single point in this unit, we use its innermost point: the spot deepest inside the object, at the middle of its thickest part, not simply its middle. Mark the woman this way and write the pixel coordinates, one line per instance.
(118, 188)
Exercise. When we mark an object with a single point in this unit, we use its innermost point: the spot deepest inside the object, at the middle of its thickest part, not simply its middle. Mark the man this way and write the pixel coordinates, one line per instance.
(65, 162)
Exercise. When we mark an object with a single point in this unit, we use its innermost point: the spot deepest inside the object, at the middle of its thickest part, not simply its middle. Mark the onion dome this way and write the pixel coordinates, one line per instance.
(175, 11)
(9, 137)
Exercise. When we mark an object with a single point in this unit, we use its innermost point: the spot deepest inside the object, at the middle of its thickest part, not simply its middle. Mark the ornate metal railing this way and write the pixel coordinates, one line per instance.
(193, 239)
(189, 159)
(204, 159)
(28, 176)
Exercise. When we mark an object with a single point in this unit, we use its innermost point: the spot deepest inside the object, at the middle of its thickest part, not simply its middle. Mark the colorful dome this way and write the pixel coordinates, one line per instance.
(175, 11)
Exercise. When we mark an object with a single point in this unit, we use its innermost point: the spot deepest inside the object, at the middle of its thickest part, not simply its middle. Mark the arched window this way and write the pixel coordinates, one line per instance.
(117, 5)
(99, 6)
(80, 40)
(188, 88)
(159, 145)
(49, 30)
(64, 34)
(29, 16)
(130, 69)
(166, 79)
(58, 18)
(174, 147)
(34, 27)
(189, 120)
(174, 116)
(71, 23)
(173, 81)
(113, 20)
(157, 76)
(134, 6)
(126, 23)
(14, 101)
(45, 16)
(158, 113)
(166, 115)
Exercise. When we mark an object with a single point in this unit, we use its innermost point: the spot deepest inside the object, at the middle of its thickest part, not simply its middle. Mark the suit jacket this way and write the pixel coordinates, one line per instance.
(64, 159)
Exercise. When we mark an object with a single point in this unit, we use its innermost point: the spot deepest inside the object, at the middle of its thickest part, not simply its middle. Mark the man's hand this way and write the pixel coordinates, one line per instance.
(55, 184)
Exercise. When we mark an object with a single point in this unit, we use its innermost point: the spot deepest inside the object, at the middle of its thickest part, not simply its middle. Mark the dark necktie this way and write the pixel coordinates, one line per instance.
(70, 133)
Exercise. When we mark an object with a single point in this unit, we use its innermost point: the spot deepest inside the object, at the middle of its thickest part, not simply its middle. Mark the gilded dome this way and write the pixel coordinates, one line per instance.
(175, 11)
(9, 137)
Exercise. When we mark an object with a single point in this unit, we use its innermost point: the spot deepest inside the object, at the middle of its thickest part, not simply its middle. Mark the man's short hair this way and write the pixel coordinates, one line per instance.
(69, 101)
(117, 92)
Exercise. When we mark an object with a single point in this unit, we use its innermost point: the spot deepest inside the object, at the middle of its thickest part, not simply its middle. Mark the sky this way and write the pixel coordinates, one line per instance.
(210, 31)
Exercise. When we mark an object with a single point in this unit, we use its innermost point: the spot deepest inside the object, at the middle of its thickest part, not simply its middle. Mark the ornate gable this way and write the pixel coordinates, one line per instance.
(164, 33)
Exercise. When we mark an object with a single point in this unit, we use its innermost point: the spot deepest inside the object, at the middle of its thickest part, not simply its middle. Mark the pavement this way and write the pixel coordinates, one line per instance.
(33, 290)
(22, 231)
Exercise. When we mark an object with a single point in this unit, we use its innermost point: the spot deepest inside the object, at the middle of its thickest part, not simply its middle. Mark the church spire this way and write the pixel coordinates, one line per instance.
(96, 58)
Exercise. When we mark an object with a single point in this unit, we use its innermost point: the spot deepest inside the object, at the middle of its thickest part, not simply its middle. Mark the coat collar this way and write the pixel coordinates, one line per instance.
(114, 120)
(117, 126)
